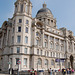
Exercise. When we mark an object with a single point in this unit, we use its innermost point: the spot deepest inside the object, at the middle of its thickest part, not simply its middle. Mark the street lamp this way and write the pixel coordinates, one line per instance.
(19, 62)
(9, 67)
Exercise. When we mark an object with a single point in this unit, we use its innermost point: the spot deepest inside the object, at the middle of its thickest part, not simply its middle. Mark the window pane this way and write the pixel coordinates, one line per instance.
(18, 49)
(20, 20)
(12, 39)
(13, 30)
(19, 29)
(18, 39)
(37, 41)
(11, 50)
(25, 50)
(52, 62)
(46, 62)
(27, 22)
(51, 45)
(37, 34)
(45, 44)
(39, 61)
(26, 30)
(26, 39)
(22, 8)
(26, 8)
(41, 52)
(25, 61)
(38, 51)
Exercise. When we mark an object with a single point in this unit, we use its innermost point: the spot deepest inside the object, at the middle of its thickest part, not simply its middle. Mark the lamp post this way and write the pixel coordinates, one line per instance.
(9, 67)
(19, 62)
(37, 67)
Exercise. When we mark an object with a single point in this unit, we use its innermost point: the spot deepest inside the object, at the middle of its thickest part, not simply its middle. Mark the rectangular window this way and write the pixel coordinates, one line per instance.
(25, 61)
(37, 42)
(51, 45)
(45, 44)
(57, 47)
(27, 22)
(26, 30)
(51, 54)
(14, 21)
(37, 51)
(47, 53)
(20, 20)
(41, 52)
(12, 39)
(45, 36)
(17, 59)
(26, 39)
(19, 29)
(11, 50)
(13, 30)
(37, 34)
(18, 39)
(51, 38)
(57, 55)
(18, 49)
(25, 50)
(22, 8)
(26, 8)
(51, 21)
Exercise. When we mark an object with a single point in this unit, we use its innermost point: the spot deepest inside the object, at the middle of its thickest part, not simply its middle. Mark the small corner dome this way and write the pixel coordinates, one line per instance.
(45, 11)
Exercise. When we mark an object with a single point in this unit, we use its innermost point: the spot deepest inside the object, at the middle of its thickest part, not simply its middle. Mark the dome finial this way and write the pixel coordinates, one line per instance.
(44, 5)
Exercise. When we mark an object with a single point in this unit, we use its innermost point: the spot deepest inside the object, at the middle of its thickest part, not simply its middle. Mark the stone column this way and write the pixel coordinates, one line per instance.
(72, 46)
(19, 7)
(48, 42)
(59, 45)
(34, 36)
(54, 44)
(24, 7)
(42, 38)
(66, 52)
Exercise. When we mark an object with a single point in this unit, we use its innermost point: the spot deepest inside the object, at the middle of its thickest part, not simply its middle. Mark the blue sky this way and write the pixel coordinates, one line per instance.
(63, 11)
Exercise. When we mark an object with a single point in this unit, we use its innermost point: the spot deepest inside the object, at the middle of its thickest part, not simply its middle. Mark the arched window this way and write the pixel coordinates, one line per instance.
(21, 8)
(46, 62)
(26, 9)
(37, 34)
(51, 45)
(39, 61)
(52, 62)
(57, 46)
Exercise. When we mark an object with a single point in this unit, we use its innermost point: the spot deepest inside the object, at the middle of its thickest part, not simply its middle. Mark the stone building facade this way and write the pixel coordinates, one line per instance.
(36, 42)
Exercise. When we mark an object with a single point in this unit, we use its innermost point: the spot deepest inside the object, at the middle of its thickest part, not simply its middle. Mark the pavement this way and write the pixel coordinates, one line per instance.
(44, 74)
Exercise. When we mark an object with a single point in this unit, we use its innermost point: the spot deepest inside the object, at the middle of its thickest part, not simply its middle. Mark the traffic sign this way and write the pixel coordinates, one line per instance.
(59, 60)
(19, 62)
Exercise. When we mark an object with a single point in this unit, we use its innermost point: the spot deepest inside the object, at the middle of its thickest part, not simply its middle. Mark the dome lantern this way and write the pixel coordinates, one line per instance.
(44, 5)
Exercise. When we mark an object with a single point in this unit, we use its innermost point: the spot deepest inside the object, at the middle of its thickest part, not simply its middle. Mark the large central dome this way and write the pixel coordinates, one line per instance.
(44, 11)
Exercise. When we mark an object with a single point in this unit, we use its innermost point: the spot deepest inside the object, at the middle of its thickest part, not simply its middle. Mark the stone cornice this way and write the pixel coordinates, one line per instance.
(21, 15)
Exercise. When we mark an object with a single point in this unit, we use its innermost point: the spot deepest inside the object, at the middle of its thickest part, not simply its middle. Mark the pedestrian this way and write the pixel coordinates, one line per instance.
(68, 72)
(63, 71)
(50, 71)
(53, 72)
(35, 72)
(72, 70)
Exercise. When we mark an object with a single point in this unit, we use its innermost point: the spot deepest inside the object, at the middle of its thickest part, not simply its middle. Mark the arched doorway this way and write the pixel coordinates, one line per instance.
(71, 60)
